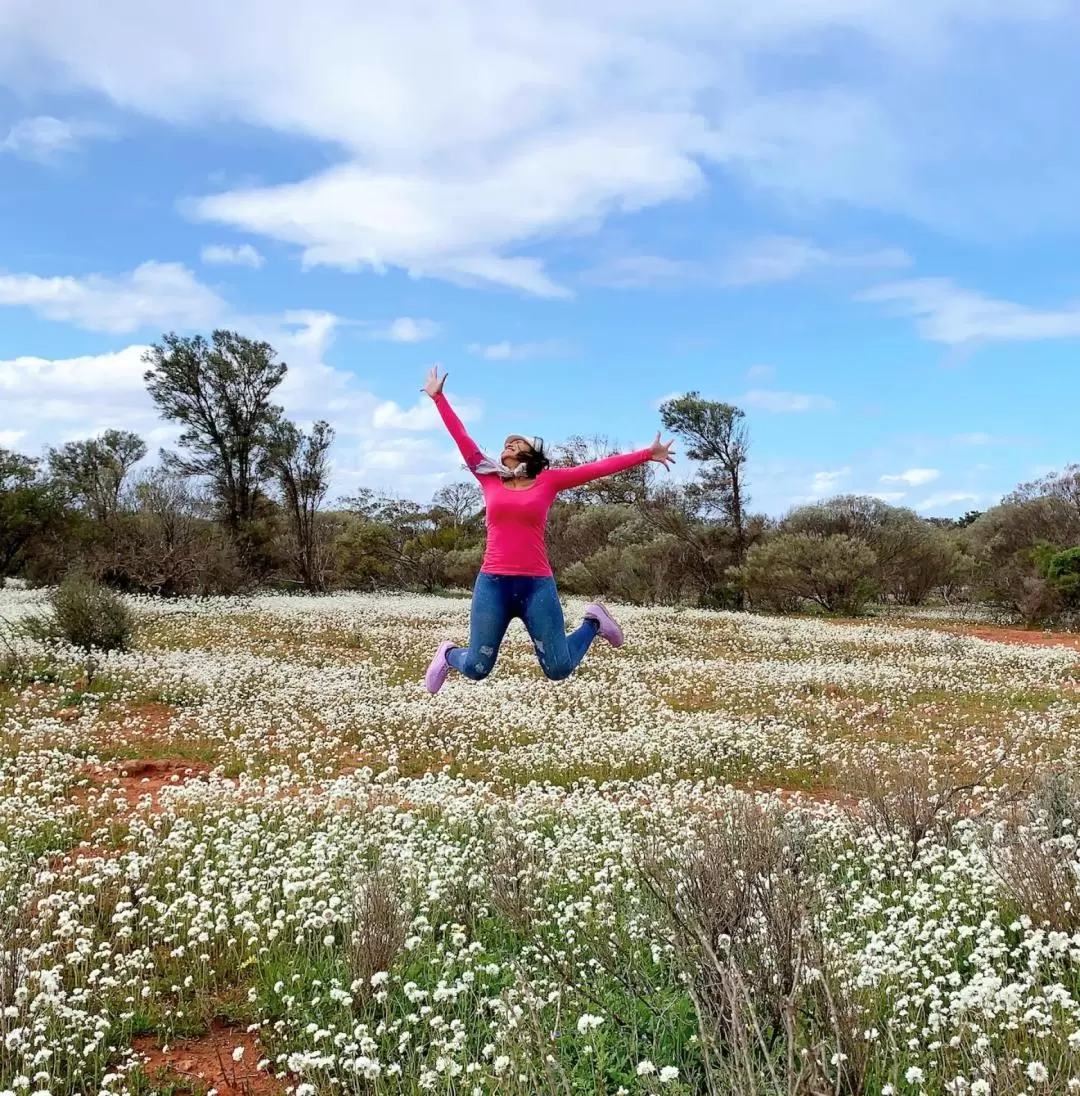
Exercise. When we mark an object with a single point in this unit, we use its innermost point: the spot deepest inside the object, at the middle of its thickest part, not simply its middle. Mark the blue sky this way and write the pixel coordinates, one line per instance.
(856, 219)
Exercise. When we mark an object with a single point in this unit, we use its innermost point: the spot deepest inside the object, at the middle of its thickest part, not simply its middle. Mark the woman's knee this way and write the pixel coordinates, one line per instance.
(557, 669)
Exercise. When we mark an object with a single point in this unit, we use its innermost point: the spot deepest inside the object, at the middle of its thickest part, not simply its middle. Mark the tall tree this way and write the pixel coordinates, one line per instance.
(92, 472)
(457, 504)
(716, 435)
(220, 393)
(301, 467)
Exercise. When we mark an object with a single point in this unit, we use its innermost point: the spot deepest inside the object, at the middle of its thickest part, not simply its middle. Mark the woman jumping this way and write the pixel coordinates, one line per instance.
(515, 579)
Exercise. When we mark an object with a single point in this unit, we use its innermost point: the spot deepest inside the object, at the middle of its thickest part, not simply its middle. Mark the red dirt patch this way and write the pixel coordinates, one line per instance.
(1018, 635)
(206, 1061)
(147, 776)
(154, 715)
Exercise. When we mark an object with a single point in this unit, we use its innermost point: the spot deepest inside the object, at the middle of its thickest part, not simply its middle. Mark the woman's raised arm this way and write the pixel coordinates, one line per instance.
(468, 448)
(565, 478)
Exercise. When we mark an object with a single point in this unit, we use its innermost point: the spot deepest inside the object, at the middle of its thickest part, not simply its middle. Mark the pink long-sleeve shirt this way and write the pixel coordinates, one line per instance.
(517, 517)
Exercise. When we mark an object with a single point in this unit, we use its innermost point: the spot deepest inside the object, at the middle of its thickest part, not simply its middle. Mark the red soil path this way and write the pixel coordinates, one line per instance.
(990, 632)
(1016, 635)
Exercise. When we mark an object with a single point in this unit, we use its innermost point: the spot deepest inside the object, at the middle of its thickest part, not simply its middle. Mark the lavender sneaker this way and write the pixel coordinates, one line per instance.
(608, 628)
(439, 668)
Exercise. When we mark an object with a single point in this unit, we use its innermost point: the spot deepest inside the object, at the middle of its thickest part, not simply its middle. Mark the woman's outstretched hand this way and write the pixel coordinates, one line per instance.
(434, 384)
(662, 452)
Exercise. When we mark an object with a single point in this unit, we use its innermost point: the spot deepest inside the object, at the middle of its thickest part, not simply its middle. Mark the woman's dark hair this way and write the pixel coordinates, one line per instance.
(535, 460)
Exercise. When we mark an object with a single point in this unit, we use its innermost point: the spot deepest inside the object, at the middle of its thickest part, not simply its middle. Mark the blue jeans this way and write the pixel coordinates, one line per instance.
(497, 599)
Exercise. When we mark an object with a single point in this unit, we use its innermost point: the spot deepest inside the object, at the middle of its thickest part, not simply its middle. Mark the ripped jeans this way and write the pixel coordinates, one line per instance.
(497, 599)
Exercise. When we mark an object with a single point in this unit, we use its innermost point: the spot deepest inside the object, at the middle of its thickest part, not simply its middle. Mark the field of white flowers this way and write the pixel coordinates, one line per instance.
(741, 855)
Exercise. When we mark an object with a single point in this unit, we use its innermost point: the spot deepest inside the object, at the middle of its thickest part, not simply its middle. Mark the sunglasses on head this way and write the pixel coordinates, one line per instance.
(536, 444)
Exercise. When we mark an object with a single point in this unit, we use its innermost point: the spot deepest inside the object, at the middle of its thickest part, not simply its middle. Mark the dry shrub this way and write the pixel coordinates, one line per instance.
(376, 930)
(775, 1018)
(917, 803)
(16, 924)
(515, 886)
(1038, 862)
(737, 915)
(17, 668)
(1055, 802)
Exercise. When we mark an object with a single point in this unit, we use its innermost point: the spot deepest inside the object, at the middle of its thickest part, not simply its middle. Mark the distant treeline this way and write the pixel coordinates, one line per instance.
(242, 503)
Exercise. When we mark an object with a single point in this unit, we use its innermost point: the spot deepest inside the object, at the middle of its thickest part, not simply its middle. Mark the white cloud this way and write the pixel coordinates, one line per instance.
(407, 330)
(113, 375)
(946, 500)
(224, 255)
(783, 258)
(780, 402)
(423, 415)
(458, 226)
(827, 482)
(889, 496)
(153, 295)
(44, 137)
(511, 351)
(761, 373)
(946, 313)
(479, 130)
(397, 455)
(60, 400)
(377, 442)
(913, 477)
(10, 438)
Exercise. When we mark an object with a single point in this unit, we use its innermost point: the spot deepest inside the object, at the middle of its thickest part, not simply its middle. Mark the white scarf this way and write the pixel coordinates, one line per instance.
(489, 467)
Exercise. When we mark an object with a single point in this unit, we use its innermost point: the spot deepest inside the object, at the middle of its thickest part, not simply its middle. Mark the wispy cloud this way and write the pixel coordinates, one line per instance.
(511, 351)
(224, 255)
(826, 482)
(913, 477)
(761, 373)
(945, 499)
(946, 313)
(784, 258)
(646, 272)
(757, 262)
(781, 402)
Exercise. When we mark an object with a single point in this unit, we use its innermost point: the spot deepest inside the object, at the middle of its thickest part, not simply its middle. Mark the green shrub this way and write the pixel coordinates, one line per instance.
(461, 566)
(834, 572)
(88, 616)
(577, 579)
(1063, 575)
